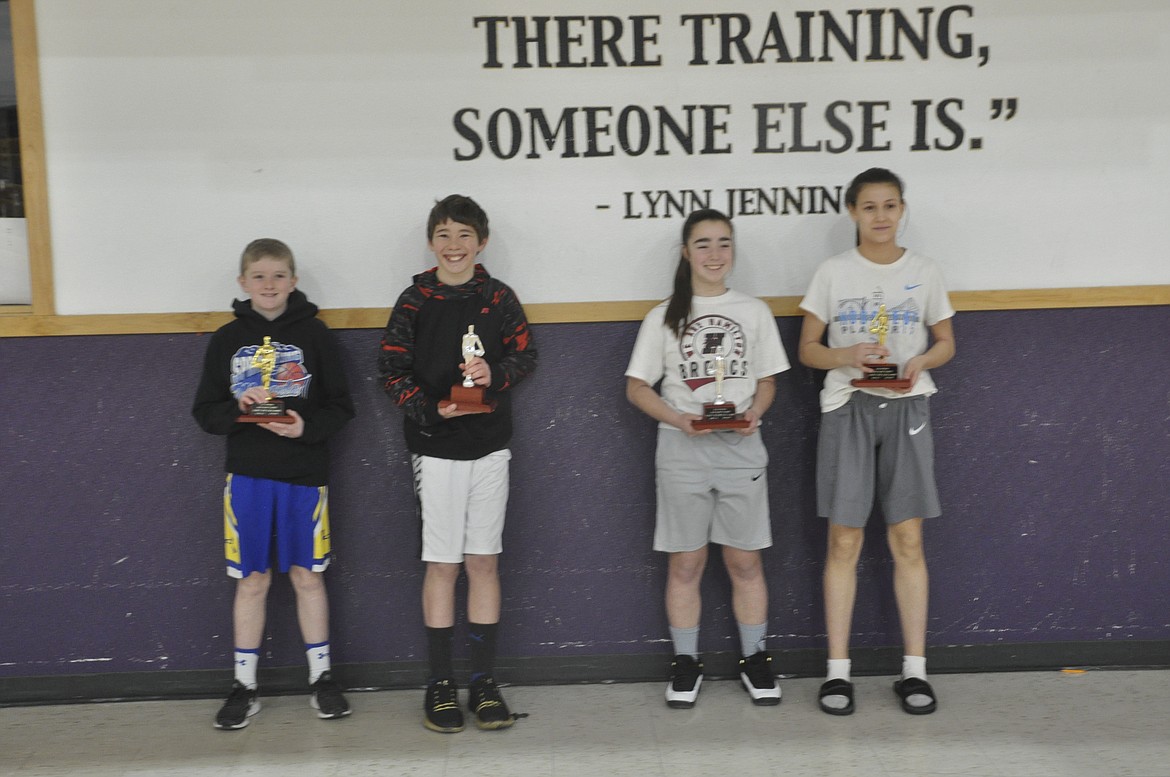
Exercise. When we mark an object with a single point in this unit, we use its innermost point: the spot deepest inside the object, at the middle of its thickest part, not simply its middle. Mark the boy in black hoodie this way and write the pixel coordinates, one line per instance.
(277, 470)
(460, 454)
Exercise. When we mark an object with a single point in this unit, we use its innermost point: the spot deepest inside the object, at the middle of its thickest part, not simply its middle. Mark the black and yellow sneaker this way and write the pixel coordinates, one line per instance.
(686, 677)
(758, 679)
(441, 707)
(485, 701)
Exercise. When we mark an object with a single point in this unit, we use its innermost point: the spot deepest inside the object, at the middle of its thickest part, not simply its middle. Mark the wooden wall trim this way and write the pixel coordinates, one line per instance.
(32, 154)
(36, 325)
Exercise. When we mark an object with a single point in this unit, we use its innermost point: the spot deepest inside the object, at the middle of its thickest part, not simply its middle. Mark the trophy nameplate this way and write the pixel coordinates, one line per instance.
(466, 395)
(270, 411)
(884, 374)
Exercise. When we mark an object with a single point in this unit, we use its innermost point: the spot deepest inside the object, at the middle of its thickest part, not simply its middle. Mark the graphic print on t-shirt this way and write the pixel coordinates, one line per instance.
(290, 378)
(703, 339)
(857, 316)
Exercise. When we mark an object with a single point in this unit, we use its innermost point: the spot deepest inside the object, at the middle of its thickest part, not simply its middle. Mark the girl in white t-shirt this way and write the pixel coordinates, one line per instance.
(878, 291)
(704, 344)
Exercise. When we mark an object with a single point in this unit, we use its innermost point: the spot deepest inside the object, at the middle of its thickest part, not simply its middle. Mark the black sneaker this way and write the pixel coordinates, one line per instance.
(241, 705)
(327, 698)
(485, 701)
(755, 672)
(686, 675)
(442, 707)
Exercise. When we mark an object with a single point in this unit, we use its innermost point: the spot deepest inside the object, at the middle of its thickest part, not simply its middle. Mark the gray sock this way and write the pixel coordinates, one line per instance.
(751, 638)
(686, 641)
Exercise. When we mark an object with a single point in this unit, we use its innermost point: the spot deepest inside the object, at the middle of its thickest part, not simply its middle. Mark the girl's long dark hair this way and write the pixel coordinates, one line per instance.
(678, 310)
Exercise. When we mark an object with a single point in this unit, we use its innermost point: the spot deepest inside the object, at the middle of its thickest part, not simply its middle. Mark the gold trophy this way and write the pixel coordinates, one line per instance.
(720, 414)
(466, 395)
(885, 373)
(271, 411)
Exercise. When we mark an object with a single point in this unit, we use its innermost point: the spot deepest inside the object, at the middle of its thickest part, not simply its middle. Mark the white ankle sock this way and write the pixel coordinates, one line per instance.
(246, 663)
(839, 669)
(915, 666)
(319, 662)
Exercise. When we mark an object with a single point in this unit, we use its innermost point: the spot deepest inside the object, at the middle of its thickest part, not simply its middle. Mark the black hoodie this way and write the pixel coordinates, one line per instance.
(420, 361)
(309, 378)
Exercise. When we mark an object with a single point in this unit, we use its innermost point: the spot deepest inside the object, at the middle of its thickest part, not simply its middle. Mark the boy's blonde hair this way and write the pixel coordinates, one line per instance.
(267, 247)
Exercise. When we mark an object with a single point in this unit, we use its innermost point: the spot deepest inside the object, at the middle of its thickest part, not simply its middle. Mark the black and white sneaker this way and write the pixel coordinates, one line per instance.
(441, 708)
(755, 672)
(485, 701)
(686, 675)
(327, 698)
(240, 706)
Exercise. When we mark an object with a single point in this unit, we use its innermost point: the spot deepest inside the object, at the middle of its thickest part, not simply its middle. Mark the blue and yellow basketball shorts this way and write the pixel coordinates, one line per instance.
(258, 511)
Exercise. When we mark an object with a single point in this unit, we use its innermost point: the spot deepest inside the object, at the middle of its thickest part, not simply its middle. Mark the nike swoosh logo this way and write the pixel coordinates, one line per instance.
(757, 477)
(912, 286)
(917, 429)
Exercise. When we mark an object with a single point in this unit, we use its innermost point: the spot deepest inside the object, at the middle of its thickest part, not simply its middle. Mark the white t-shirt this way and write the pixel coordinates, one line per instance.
(846, 292)
(739, 327)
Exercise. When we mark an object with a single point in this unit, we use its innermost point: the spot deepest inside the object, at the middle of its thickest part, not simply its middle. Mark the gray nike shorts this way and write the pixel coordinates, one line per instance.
(711, 488)
(870, 439)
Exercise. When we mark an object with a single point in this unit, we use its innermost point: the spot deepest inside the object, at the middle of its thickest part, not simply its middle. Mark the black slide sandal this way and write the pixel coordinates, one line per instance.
(910, 687)
(836, 688)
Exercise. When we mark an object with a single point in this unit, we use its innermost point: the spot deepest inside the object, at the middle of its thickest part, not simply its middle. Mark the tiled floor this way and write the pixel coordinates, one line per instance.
(1096, 724)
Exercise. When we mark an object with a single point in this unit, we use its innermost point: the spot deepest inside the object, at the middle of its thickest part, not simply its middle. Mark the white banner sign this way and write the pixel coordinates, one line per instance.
(1034, 139)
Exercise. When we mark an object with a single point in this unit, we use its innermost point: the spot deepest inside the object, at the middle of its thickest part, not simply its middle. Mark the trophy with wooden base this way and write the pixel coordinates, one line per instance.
(466, 396)
(720, 414)
(884, 373)
(270, 411)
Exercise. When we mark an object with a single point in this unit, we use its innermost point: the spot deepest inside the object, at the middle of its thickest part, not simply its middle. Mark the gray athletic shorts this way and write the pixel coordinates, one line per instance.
(869, 436)
(711, 488)
(463, 505)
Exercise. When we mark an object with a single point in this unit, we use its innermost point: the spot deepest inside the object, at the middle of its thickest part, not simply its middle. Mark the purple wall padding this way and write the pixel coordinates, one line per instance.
(1052, 431)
